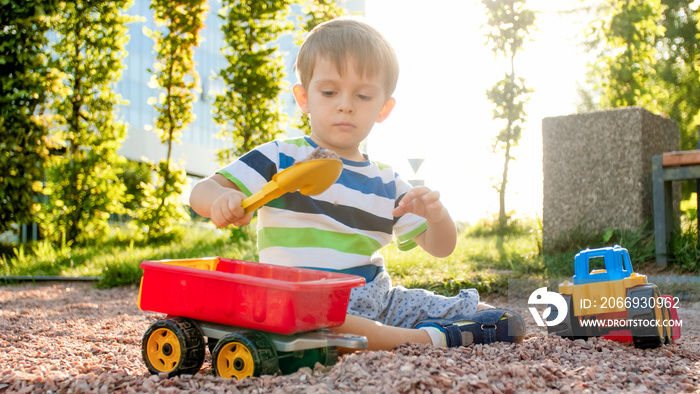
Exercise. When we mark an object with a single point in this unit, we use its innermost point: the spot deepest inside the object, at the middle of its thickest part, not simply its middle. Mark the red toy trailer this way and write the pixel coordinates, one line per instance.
(258, 318)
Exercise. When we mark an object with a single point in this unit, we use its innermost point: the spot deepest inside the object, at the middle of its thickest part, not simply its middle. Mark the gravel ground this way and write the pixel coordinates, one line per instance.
(71, 337)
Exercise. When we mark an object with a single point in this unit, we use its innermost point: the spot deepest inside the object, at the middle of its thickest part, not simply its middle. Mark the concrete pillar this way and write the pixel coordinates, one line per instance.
(597, 170)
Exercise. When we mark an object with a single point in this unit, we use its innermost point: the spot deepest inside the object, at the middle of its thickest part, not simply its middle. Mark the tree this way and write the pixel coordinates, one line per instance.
(625, 70)
(648, 55)
(25, 80)
(678, 67)
(248, 111)
(176, 77)
(509, 23)
(82, 183)
(317, 12)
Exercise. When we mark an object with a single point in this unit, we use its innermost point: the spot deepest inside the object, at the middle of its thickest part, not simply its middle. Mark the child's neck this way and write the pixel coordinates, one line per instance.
(351, 153)
(355, 156)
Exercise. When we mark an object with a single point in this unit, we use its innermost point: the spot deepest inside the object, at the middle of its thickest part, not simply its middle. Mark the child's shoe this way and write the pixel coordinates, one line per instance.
(485, 326)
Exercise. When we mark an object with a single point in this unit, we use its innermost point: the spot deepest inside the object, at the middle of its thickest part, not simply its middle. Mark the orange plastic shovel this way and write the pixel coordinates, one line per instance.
(311, 178)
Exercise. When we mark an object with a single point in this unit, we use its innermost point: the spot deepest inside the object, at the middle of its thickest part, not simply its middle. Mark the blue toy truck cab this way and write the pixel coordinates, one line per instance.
(614, 293)
(617, 265)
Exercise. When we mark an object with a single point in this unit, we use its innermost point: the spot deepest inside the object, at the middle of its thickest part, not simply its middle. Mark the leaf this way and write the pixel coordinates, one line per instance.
(607, 236)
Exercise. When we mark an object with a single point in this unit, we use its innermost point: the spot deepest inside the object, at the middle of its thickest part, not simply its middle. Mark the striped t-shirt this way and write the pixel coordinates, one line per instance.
(341, 228)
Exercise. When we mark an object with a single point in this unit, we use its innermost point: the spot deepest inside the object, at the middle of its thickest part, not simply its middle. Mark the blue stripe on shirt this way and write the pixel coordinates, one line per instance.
(260, 163)
(366, 185)
(286, 161)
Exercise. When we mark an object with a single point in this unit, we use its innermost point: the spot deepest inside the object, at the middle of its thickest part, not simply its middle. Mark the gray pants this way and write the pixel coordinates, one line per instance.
(401, 307)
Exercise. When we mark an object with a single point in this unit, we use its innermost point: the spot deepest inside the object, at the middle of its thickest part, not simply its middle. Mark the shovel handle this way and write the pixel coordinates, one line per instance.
(269, 192)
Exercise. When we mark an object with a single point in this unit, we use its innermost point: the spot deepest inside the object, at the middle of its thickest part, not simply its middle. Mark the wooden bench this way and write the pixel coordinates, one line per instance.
(665, 168)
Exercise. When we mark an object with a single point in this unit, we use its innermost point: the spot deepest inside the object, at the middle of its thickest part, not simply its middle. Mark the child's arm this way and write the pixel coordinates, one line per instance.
(219, 199)
(440, 238)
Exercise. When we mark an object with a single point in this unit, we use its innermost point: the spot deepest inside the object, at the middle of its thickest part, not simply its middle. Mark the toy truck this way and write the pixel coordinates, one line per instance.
(256, 318)
(614, 302)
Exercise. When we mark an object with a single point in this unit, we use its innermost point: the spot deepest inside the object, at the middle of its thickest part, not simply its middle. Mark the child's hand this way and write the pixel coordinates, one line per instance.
(227, 209)
(423, 202)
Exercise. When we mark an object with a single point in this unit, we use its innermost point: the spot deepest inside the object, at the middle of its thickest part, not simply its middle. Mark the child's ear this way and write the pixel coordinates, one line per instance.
(301, 98)
(386, 110)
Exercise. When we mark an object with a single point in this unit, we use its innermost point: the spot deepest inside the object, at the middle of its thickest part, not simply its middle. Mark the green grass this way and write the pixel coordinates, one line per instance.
(117, 260)
(478, 262)
(640, 243)
(482, 260)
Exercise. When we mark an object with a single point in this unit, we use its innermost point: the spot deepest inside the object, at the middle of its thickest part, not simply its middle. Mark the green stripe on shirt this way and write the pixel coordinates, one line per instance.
(238, 183)
(406, 242)
(300, 141)
(315, 238)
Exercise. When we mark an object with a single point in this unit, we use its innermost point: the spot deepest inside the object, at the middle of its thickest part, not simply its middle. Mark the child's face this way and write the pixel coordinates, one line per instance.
(342, 110)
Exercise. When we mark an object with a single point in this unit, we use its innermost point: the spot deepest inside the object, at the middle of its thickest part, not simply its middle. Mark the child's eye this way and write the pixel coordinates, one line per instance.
(364, 97)
(328, 93)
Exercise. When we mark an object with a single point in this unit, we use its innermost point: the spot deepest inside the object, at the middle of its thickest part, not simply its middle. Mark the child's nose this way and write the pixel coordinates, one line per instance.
(345, 106)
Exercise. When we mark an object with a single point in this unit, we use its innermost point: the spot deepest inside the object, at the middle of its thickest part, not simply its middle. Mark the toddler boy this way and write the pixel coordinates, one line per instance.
(347, 74)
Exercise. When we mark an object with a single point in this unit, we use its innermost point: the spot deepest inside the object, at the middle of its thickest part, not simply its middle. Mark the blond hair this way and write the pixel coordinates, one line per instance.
(345, 38)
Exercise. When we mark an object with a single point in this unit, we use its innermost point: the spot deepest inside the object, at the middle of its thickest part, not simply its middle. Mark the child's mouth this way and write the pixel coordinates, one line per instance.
(345, 126)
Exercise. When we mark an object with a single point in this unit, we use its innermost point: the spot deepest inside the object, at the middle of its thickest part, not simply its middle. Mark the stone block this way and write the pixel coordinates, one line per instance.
(597, 170)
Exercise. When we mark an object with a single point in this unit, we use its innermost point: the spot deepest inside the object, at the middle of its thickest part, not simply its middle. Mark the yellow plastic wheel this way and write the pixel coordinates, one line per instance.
(235, 361)
(174, 345)
(665, 318)
(646, 333)
(244, 354)
(163, 350)
(659, 315)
